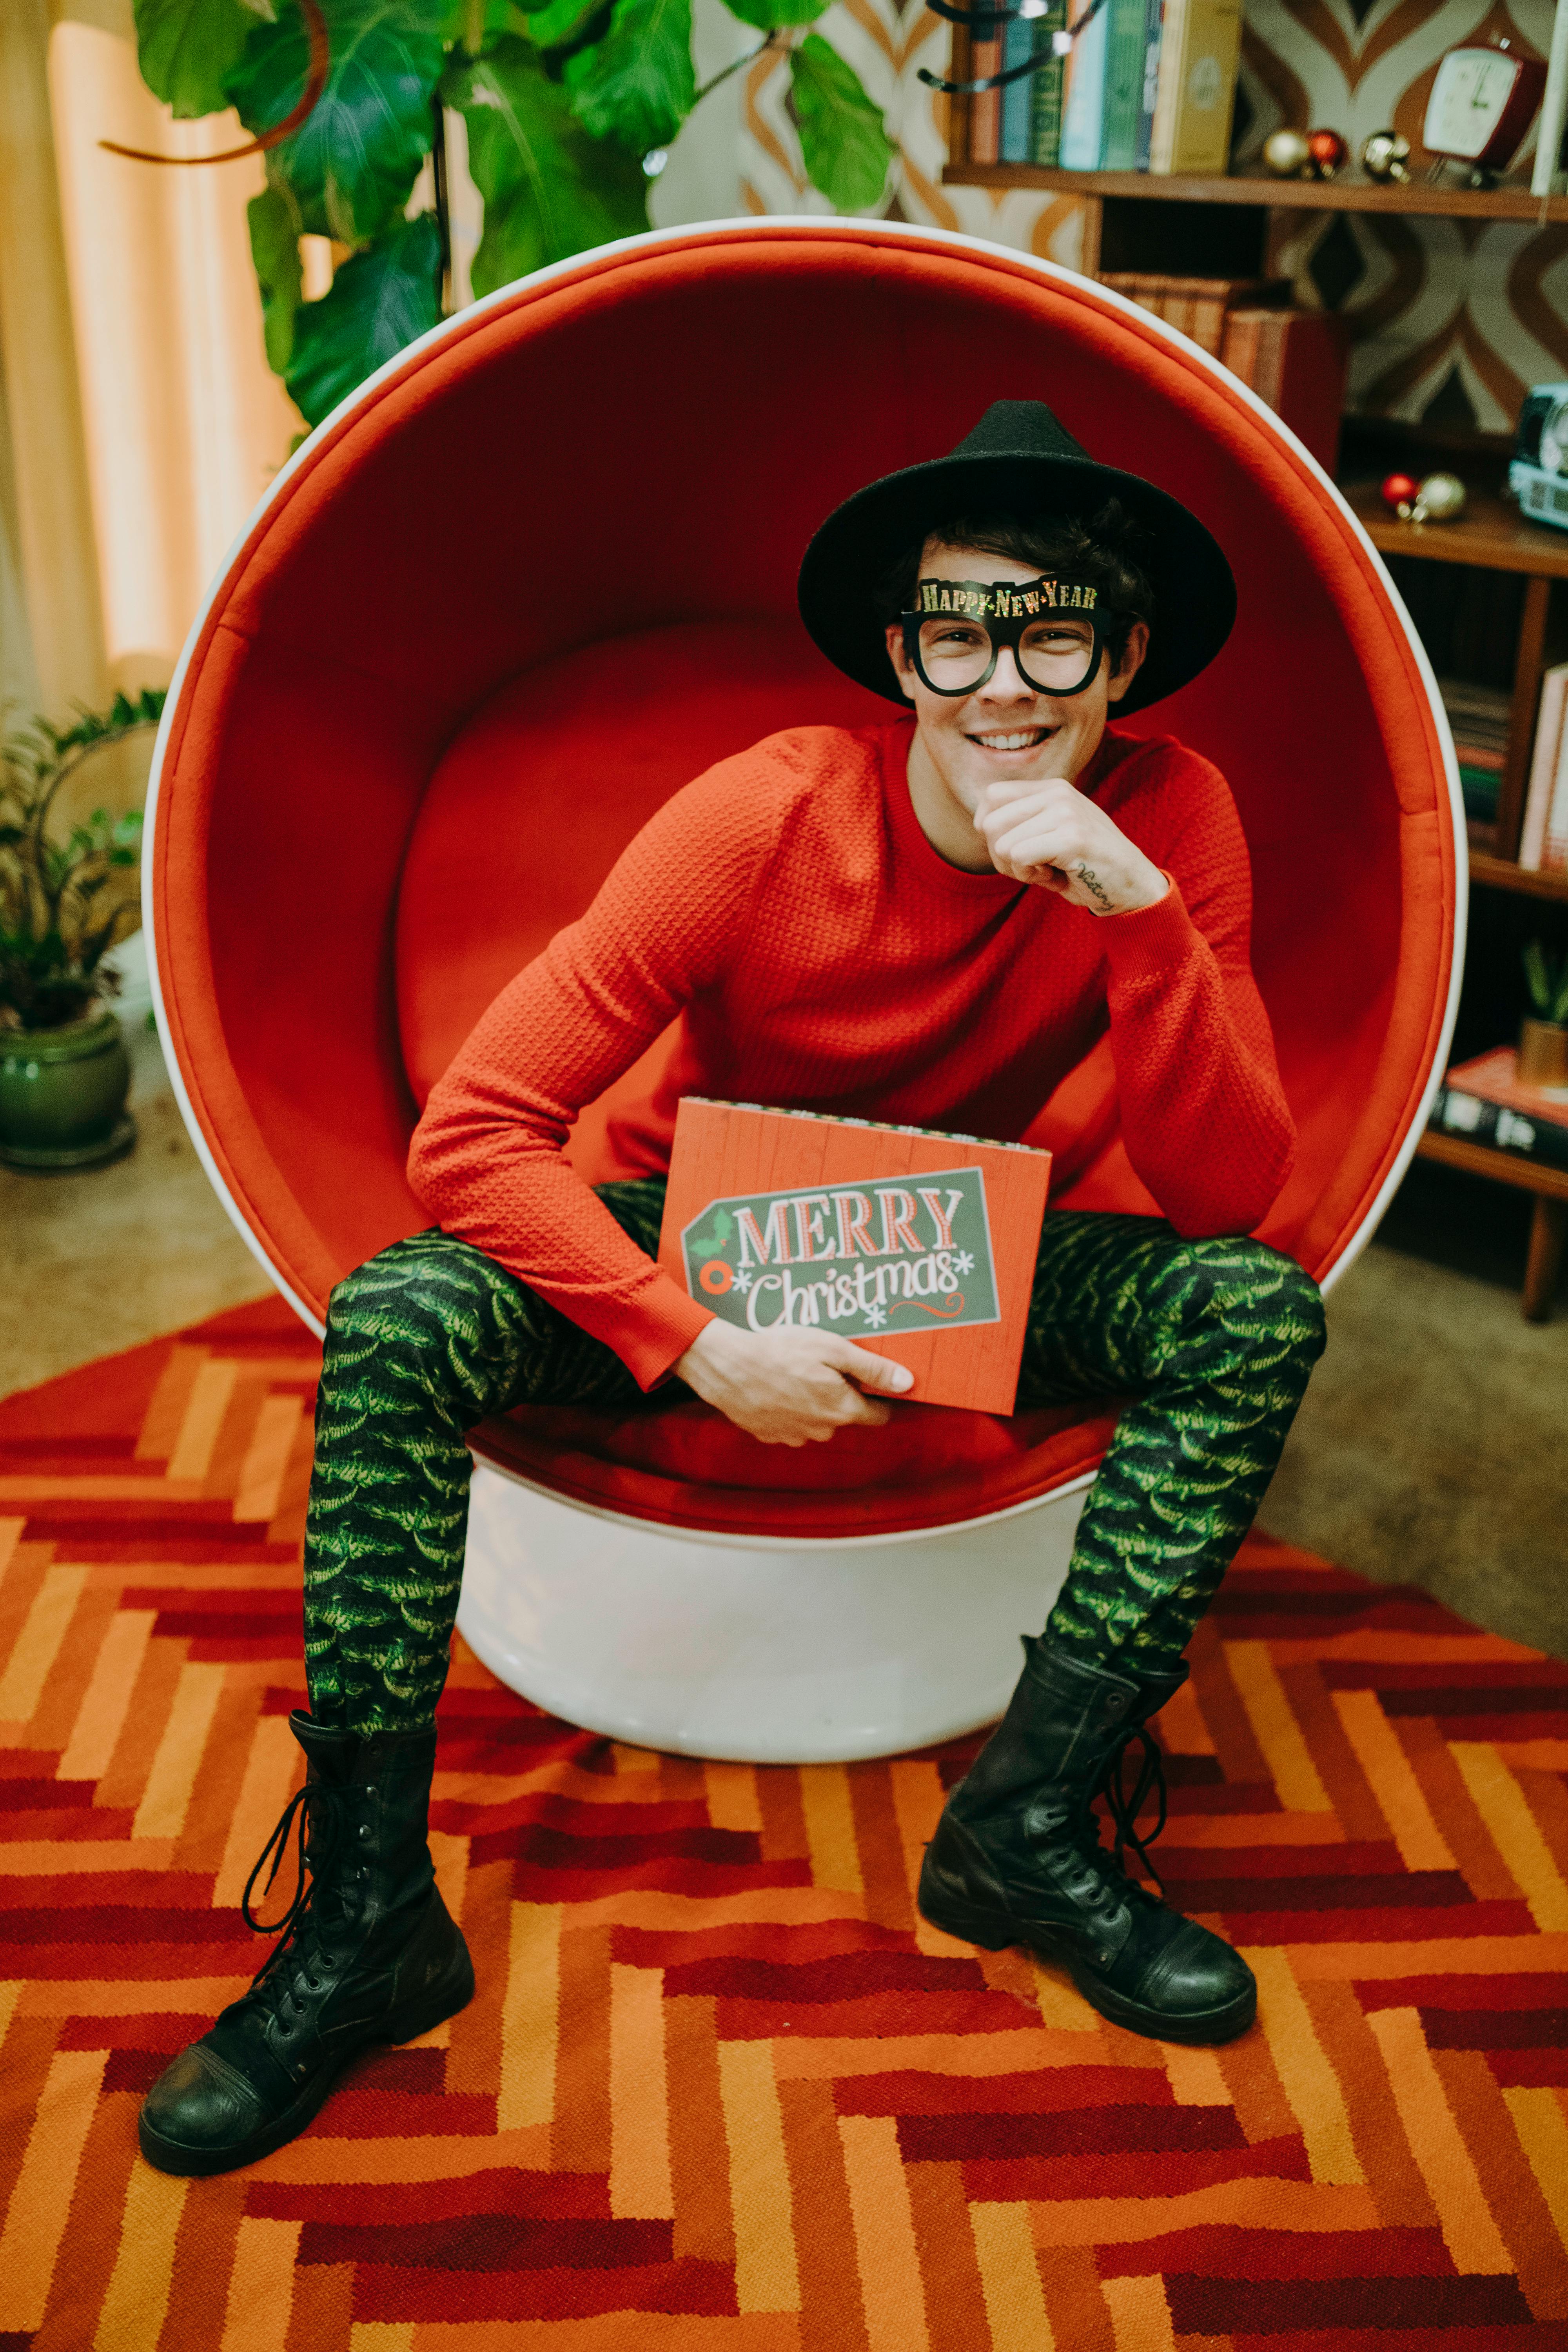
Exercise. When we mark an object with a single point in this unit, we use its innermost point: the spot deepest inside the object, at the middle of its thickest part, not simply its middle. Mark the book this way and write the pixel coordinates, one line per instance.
(914, 1244)
(1127, 42)
(986, 106)
(1021, 40)
(1200, 307)
(1483, 1102)
(1494, 1079)
(1154, 16)
(1083, 96)
(1543, 836)
(1199, 55)
(1479, 719)
(1295, 360)
(1045, 85)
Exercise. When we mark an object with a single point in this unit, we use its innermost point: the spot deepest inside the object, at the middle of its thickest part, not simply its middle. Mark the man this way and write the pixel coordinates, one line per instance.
(928, 922)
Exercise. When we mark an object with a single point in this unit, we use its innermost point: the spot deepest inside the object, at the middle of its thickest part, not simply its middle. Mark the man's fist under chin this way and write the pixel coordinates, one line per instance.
(1051, 836)
(789, 1387)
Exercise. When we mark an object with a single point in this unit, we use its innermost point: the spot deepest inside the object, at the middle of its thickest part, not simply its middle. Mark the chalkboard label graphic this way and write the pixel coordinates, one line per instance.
(882, 1257)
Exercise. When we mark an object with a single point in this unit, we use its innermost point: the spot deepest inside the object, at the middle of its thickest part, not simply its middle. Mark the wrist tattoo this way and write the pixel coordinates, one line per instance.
(1092, 883)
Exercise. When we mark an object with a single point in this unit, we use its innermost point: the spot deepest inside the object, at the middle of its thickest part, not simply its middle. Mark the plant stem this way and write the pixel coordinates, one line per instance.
(773, 42)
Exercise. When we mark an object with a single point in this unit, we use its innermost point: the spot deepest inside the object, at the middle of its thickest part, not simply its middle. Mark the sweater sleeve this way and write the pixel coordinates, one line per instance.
(487, 1157)
(1203, 1112)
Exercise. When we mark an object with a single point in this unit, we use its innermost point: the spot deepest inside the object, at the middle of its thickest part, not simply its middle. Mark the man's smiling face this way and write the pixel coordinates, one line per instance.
(1005, 731)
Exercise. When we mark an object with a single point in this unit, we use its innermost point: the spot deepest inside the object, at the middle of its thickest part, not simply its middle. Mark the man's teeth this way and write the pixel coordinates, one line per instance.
(1014, 742)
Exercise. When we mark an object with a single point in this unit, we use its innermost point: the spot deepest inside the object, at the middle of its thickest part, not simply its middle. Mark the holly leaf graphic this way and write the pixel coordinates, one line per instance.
(713, 1244)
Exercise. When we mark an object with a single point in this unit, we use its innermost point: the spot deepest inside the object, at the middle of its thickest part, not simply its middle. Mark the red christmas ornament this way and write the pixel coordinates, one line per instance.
(1397, 490)
(1328, 151)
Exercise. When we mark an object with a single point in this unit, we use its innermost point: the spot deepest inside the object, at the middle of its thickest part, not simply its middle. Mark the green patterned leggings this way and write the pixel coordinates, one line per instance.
(1212, 1339)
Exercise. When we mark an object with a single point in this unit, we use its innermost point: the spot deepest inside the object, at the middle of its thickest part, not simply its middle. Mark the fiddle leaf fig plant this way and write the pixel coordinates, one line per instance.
(569, 108)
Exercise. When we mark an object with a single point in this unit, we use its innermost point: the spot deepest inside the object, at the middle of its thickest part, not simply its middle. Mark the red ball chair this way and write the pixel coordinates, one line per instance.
(527, 582)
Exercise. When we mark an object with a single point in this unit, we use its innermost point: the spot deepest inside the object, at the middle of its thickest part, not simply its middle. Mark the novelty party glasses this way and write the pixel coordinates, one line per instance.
(1054, 628)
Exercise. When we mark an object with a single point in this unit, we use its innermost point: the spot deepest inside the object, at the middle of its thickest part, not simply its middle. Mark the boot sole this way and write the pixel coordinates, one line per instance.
(997, 1931)
(200, 2164)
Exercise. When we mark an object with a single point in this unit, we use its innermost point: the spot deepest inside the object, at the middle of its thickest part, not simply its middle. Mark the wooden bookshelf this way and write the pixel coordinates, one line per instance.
(1351, 191)
(1549, 1223)
(1490, 533)
(1505, 874)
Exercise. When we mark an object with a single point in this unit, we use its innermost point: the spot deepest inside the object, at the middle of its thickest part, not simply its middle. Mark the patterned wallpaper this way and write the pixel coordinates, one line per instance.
(1452, 319)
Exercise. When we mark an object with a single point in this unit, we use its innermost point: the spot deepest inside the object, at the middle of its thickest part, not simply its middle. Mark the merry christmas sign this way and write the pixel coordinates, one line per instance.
(918, 1246)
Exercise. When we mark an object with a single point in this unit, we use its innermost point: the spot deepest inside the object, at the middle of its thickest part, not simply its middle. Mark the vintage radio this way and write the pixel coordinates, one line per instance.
(1537, 475)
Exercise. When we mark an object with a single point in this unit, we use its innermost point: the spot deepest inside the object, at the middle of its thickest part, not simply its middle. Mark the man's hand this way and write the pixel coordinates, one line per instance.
(1052, 836)
(788, 1386)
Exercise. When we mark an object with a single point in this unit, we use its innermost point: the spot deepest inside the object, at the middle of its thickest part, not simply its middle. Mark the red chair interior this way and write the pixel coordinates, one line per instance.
(543, 574)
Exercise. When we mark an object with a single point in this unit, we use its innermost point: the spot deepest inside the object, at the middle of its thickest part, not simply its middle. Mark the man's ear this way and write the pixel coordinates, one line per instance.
(1131, 661)
(902, 664)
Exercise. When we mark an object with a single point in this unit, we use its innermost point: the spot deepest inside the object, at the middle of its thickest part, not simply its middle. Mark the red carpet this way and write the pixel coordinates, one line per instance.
(720, 2088)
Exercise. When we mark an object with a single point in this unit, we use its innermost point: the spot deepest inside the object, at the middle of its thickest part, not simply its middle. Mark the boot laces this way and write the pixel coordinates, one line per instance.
(1124, 1807)
(314, 1814)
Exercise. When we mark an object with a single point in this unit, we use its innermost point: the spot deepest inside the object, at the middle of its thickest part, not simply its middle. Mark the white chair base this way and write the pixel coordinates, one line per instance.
(765, 1653)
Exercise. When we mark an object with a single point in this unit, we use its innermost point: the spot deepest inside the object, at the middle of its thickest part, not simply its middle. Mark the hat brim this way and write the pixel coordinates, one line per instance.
(1193, 587)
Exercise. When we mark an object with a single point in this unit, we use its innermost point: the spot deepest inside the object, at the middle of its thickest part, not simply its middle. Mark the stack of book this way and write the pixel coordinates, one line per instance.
(1149, 86)
(1479, 717)
(1295, 360)
(1200, 307)
(1544, 839)
(1483, 1102)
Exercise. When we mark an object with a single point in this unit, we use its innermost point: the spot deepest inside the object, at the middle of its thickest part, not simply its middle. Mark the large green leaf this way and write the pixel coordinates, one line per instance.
(275, 250)
(637, 85)
(551, 27)
(379, 300)
(354, 160)
(549, 189)
(768, 15)
(186, 48)
(845, 148)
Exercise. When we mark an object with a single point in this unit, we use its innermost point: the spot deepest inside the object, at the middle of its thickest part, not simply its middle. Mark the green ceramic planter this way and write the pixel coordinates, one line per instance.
(62, 1095)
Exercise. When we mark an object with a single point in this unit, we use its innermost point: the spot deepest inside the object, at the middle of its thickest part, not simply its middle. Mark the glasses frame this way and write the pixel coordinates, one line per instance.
(1009, 632)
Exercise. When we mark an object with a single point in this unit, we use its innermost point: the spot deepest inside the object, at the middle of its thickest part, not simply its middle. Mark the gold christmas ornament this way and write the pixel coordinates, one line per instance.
(1439, 498)
(1287, 153)
(1385, 156)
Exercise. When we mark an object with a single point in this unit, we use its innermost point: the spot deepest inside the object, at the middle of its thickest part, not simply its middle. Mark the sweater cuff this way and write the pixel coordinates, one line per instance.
(1150, 941)
(667, 1322)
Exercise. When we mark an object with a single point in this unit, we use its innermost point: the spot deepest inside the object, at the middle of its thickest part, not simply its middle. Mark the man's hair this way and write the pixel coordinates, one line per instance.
(1103, 551)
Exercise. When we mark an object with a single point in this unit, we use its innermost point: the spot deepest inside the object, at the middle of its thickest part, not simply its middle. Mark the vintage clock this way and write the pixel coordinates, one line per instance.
(1482, 103)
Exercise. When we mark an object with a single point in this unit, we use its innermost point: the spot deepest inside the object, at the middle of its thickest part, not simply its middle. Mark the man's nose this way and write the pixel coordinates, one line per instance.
(1007, 681)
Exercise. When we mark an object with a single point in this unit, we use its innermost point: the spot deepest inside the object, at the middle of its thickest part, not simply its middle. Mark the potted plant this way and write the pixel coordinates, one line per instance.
(1544, 1039)
(64, 1070)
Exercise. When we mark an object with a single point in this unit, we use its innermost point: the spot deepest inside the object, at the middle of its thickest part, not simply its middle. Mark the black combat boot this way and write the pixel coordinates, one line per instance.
(368, 1953)
(1016, 1858)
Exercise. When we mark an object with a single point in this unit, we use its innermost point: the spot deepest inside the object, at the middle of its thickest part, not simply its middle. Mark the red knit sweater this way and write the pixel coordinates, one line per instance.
(822, 956)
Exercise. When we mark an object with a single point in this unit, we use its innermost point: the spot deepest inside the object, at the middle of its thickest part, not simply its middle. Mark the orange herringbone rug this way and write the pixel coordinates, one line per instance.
(720, 2088)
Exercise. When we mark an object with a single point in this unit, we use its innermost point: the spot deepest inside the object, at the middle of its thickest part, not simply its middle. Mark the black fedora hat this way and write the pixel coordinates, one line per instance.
(1018, 460)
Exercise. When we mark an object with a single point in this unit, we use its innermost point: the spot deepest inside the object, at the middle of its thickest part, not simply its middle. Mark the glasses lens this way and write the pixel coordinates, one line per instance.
(1057, 653)
(955, 653)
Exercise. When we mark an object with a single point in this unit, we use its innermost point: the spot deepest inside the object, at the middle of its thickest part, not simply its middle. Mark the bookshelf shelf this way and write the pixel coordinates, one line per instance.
(1549, 1225)
(1490, 532)
(1351, 193)
(1503, 874)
